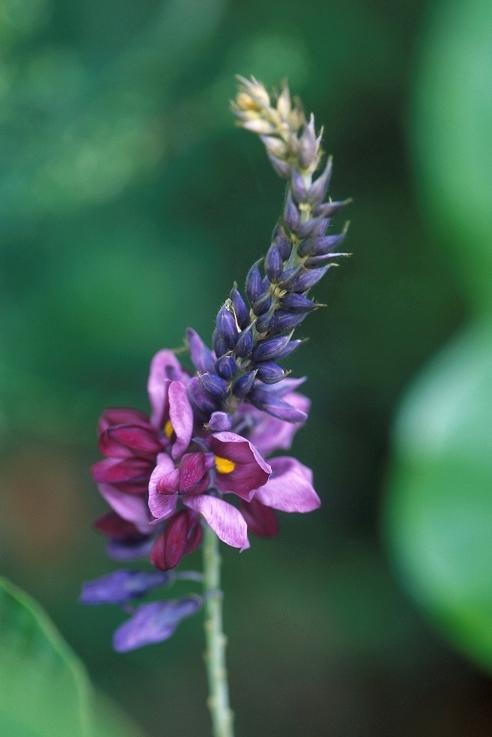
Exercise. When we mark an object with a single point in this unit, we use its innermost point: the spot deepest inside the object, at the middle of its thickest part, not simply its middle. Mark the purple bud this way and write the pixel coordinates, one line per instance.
(291, 214)
(270, 373)
(273, 262)
(244, 344)
(154, 622)
(297, 303)
(280, 166)
(263, 304)
(330, 208)
(254, 283)
(308, 145)
(313, 227)
(242, 386)
(318, 189)
(271, 348)
(288, 275)
(313, 261)
(282, 321)
(240, 307)
(298, 186)
(307, 279)
(275, 405)
(226, 326)
(214, 385)
(201, 356)
(121, 586)
(263, 323)
(219, 343)
(321, 245)
(283, 244)
(226, 367)
(219, 422)
(289, 348)
(202, 401)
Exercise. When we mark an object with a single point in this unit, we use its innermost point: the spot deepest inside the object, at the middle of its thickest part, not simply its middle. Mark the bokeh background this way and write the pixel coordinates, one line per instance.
(129, 203)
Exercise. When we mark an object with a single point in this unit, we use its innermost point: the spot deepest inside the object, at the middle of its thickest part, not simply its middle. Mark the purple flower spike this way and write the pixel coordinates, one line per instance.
(270, 349)
(120, 587)
(154, 622)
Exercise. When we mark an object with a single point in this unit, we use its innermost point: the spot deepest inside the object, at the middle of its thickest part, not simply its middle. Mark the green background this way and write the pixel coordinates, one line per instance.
(129, 203)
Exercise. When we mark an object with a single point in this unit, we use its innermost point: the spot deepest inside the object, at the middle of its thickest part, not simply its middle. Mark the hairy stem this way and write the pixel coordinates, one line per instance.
(218, 700)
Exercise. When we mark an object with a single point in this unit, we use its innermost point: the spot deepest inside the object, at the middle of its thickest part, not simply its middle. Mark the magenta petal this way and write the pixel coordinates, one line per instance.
(251, 471)
(181, 416)
(163, 369)
(225, 520)
(117, 471)
(130, 507)
(124, 440)
(192, 469)
(269, 433)
(289, 488)
(163, 482)
(121, 416)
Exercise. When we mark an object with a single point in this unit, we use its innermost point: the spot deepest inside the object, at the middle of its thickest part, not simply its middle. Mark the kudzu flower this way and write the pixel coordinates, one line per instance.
(204, 455)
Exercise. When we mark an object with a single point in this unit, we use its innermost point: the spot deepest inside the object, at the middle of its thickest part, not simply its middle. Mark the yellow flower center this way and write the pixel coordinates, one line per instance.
(168, 429)
(224, 465)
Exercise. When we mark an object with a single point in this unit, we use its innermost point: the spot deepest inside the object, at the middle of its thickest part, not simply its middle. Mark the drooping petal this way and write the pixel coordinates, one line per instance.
(289, 488)
(121, 586)
(181, 416)
(202, 357)
(269, 433)
(225, 520)
(261, 520)
(154, 622)
(164, 368)
(250, 469)
(121, 416)
(128, 506)
(124, 441)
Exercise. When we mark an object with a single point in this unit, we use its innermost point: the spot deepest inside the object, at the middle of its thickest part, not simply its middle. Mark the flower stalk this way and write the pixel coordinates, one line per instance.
(218, 700)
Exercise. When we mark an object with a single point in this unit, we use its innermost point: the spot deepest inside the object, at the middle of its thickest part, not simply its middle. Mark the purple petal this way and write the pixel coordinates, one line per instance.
(181, 416)
(219, 421)
(129, 506)
(121, 586)
(154, 622)
(269, 433)
(163, 369)
(289, 488)
(251, 470)
(202, 357)
(225, 520)
(163, 482)
(261, 520)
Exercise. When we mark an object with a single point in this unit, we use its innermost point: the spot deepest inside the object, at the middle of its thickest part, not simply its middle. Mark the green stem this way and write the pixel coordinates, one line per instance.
(218, 700)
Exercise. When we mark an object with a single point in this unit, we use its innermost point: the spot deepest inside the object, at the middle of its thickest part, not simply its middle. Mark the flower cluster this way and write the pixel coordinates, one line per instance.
(203, 456)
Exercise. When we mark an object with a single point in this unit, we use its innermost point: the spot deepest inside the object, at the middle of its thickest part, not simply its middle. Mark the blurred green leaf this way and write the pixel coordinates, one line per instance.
(453, 121)
(45, 691)
(439, 513)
